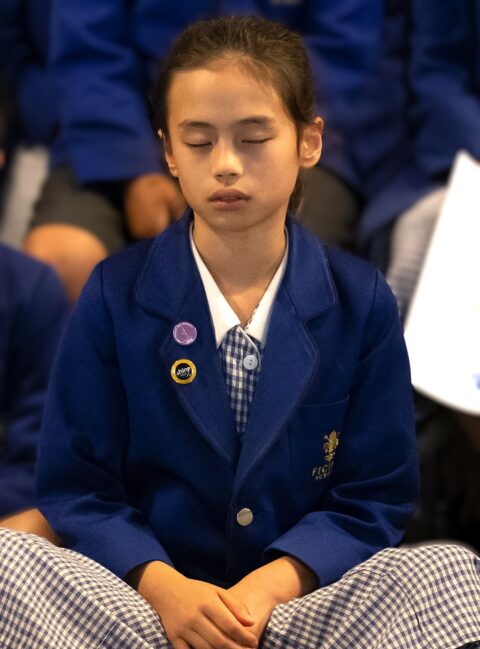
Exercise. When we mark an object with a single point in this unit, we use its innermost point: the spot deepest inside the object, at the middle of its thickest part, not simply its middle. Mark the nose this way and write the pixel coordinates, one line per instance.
(226, 163)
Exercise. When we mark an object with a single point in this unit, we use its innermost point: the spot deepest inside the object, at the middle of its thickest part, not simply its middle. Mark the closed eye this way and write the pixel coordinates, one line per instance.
(197, 146)
(204, 144)
(257, 141)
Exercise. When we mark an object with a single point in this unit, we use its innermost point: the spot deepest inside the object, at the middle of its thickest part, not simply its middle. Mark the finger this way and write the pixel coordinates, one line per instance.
(196, 641)
(238, 608)
(239, 638)
(180, 644)
(229, 626)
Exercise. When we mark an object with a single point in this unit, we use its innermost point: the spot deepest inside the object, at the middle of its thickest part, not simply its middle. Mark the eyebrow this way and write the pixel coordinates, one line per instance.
(261, 120)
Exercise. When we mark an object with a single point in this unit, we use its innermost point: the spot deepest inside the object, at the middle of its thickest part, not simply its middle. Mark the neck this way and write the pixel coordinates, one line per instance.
(242, 262)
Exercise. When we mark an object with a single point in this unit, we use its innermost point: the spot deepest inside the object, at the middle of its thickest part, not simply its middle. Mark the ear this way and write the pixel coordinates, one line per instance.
(167, 150)
(310, 146)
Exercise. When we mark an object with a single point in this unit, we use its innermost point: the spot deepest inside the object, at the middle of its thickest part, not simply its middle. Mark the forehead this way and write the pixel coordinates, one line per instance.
(220, 94)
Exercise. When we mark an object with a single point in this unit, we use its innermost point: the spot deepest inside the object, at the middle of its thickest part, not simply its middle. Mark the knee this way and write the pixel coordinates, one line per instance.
(437, 565)
(443, 554)
(31, 522)
(71, 251)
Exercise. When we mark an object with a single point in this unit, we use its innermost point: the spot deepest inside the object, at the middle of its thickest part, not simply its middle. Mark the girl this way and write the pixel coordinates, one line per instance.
(229, 427)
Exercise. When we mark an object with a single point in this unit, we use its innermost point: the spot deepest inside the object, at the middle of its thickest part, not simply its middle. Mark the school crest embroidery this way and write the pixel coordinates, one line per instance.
(330, 446)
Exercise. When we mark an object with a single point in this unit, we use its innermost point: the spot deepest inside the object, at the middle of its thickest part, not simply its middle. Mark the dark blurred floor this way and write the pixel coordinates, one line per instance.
(450, 472)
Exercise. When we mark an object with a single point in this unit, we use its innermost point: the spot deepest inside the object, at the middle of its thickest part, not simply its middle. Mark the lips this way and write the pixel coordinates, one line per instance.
(227, 196)
(228, 200)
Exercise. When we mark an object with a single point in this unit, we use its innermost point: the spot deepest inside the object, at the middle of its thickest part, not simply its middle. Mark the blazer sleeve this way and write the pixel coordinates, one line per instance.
(445, 56)
(343, 41)
(103, 83)
(80, 485)
(36, 327)
(375, 480)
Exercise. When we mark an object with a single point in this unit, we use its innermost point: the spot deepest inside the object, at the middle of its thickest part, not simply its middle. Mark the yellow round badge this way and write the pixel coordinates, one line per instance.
(183, 371)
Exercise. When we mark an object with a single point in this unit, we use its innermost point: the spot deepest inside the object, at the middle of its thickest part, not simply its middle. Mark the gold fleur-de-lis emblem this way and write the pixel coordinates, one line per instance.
(330, 446)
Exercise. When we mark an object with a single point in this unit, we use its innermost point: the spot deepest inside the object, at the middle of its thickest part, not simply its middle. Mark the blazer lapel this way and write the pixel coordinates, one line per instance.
(170, 286)
(205, 399)
(291, 357)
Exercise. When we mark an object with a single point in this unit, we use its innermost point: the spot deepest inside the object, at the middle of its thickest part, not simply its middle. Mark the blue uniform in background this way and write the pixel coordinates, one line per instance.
(24, 42)
(106, 52)
(435, 58)
(399, 97)
(134, 467)
(32, 314)
(445, 73)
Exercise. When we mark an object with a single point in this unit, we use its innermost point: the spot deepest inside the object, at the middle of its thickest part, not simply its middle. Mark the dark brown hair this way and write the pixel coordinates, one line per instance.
(268, 50)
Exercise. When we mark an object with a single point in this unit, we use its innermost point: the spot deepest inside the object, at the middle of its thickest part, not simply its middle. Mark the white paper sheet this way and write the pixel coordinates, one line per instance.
(442, 329)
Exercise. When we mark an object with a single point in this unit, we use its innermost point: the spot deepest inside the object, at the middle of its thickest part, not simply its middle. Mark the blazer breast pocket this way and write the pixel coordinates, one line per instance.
(315, 439)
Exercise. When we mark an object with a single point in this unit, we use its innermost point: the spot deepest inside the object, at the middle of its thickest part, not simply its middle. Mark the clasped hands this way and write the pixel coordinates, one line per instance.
(199, 615)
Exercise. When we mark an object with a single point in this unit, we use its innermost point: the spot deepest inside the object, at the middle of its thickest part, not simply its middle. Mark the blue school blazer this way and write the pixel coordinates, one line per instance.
(135, 467)
(33, 310)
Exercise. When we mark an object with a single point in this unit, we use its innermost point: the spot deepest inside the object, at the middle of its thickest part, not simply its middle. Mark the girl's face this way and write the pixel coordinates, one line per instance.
(233, 147)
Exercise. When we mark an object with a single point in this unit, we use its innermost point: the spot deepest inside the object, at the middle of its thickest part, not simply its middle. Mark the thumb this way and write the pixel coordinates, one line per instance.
(238, 608)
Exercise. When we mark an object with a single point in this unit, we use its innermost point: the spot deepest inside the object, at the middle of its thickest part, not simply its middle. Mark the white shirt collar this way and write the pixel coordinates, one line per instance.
(223, 316)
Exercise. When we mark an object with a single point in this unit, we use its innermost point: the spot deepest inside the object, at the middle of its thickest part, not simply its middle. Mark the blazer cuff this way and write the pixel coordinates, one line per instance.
(115, 543)
(322, 547)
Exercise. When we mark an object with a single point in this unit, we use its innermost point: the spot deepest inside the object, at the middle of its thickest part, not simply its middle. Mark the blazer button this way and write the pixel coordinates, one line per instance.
(250, 362)
(244, 517)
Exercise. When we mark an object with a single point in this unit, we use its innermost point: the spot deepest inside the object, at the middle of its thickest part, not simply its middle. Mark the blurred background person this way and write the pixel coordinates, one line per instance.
(33, 304)
(431, 65)
(444, 73)
(33, 309)
(108, 185)
(444, 113)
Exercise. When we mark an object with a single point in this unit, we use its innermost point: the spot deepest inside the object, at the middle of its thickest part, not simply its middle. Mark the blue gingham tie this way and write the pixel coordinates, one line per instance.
(241, 380)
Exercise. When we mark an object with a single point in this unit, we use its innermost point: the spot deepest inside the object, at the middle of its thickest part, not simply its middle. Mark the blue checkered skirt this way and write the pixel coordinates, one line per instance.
(407, 598)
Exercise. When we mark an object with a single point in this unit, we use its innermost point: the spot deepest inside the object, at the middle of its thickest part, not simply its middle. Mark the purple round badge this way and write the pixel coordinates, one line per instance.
(185, 333)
